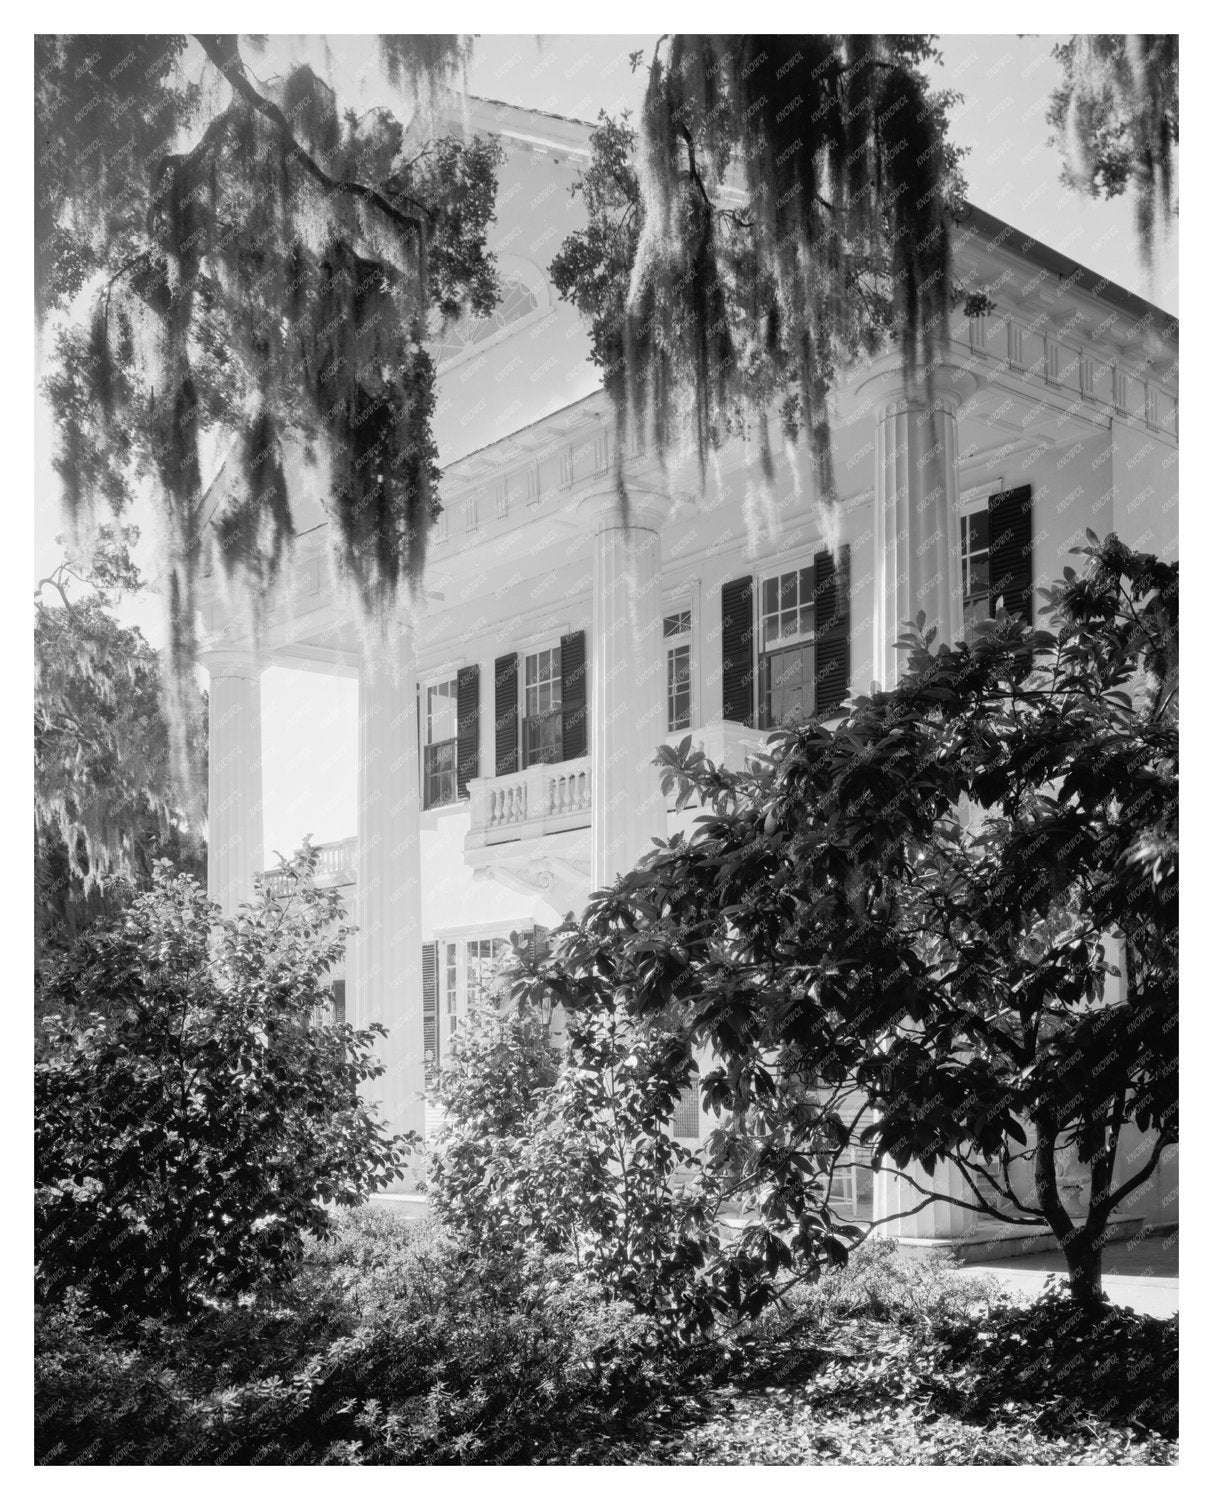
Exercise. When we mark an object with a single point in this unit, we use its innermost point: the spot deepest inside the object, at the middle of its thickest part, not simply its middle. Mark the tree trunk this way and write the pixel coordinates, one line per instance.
(1084, 1257)
(1082, 1248)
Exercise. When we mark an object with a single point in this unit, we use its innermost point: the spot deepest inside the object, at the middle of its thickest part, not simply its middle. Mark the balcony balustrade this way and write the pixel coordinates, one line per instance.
(335, 865)
(547, 798)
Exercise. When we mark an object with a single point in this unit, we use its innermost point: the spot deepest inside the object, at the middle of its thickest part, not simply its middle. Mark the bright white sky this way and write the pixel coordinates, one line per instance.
(1011, 171)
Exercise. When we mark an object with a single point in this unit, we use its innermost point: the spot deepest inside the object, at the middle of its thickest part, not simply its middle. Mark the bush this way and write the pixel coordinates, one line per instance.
(396, 1347)
(883, 1282)
(192, 1114)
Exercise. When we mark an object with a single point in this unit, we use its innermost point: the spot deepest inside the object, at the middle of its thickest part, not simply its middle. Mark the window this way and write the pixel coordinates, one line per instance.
(676, 629)
(468, 331)
(542, 737)
(685, 1122)
(975, 566)
(482, 956)
(452, 989)
(441, 743)
(787, 647)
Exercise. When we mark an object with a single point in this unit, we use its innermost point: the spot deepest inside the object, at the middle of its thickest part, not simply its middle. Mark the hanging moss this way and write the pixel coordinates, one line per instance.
(787, 184)
(272, 292)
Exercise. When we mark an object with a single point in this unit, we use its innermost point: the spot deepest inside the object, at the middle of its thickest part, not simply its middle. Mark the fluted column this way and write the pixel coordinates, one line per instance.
(627, 675)
(916, 566)
(235, 841)
(385, 952)
(916, 524)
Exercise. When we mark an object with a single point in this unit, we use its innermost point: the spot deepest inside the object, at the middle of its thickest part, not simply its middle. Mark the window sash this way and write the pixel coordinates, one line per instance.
(543, 738)
(678, 686)
(797, 663)
(441, 711)
(441, 779)
(541, 692)
(786, 609)
(975, 565)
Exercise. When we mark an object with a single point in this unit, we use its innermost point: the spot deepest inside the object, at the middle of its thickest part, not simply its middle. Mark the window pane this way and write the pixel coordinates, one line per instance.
(770, 596)
(979, 575)
(806, 586)
(806, 619)
(678, 624)
(787, 591)
(979, 530)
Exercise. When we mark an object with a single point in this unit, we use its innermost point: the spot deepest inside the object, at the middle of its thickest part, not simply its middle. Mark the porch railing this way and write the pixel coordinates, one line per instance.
(336, 864)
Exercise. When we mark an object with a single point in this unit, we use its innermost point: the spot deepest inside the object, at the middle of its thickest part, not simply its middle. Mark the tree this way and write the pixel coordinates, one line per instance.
(197, 1111)
(106, 803)
(260, 277)
(1116, 115)
(912, 912)
(787, 210)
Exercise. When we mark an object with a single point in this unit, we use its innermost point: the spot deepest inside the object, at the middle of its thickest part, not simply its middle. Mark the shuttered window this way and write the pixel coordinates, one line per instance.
(468, 697)
(996, 556)
(574, 724)
(1011, 550)
(505, 690)
(429, 1008)
(737, 650)
(685, 1124)
(804, 641)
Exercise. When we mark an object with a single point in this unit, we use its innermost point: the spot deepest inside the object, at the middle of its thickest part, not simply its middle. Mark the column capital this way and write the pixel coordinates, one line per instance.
(233, 661)
(648, 509)
(889, 388)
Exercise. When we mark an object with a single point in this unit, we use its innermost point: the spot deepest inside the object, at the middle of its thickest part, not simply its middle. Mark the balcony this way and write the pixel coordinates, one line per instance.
(336, 864)
(543, 799)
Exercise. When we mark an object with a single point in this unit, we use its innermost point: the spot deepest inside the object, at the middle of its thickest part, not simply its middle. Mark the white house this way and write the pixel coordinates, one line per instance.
(505, 745)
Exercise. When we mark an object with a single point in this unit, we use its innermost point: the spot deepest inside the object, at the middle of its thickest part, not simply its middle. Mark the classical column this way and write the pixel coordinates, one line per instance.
(235, 842)
(916, 566)
(385, 952)
(916, 525)
(627, 676)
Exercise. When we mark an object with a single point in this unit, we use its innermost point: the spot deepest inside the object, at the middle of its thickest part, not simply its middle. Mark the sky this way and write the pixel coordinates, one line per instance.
(1011, 171)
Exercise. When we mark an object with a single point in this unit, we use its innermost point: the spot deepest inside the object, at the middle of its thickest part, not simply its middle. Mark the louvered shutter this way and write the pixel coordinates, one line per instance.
(1011, 551)
(737, 650)
(338, 992)
(467, 689)
(572, 695)
(429, 1006)
(832, 617)
(505, 673)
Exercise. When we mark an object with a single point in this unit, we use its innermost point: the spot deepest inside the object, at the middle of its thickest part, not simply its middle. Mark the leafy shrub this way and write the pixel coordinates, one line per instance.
(582, 1161)
(396, 1346)
(883, 1282)
(192, 1114)
(1069, 1361)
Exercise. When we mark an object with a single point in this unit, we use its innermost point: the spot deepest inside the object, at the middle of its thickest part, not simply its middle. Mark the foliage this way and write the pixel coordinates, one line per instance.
(583, 1161)
(106, 803)
(909, 914)
(883, 1283)
(195, 1115)
(789, 205)
(395, 1346)
(261, 280)
(501, 1063)
(1116, 113)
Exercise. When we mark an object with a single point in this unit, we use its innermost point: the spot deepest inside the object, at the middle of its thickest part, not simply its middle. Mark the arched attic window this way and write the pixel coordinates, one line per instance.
(524, 296)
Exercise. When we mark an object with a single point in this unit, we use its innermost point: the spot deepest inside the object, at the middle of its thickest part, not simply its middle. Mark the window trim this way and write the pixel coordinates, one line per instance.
(535, 647)
(685, 600)
(434, 679)
(792, 561)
